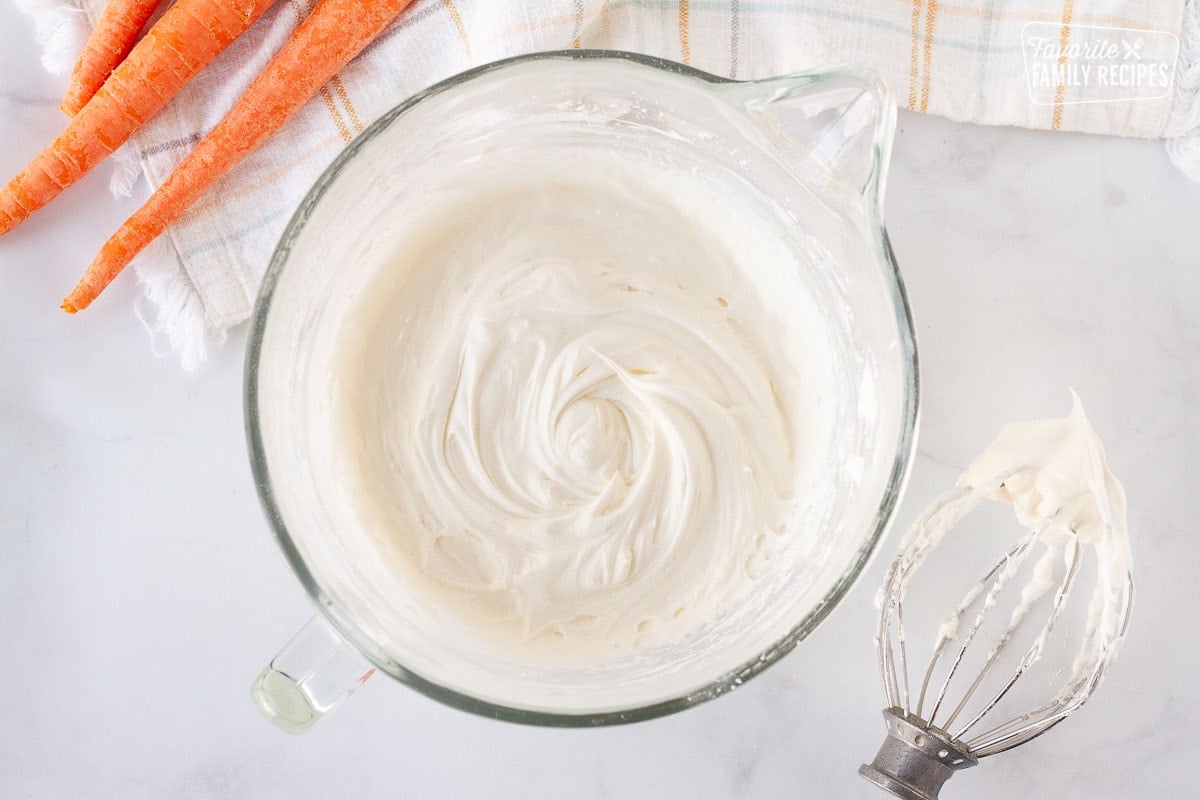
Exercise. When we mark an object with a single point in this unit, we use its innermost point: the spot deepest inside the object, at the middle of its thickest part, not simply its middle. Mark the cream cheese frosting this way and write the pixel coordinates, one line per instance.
(581, 417)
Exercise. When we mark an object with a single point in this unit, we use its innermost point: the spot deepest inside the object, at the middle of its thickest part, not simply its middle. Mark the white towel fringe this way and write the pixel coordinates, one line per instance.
(60, 27)
(1183, 126)
(127, 168)
(170, 309)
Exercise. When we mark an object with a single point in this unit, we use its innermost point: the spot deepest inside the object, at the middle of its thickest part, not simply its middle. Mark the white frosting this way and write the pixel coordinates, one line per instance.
(1055, 476)
(581, 418)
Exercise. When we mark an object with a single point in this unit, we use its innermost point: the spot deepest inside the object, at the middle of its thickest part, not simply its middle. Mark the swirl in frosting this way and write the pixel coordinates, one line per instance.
(580, 417)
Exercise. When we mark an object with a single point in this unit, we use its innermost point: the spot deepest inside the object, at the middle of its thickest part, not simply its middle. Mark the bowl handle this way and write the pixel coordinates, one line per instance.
(308, 678)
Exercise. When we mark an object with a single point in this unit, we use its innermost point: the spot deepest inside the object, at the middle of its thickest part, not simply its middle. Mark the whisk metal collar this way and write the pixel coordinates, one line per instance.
(915, 761)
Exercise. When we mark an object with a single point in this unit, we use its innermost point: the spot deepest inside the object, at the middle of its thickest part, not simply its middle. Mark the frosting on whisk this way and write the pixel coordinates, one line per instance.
(1055, 477)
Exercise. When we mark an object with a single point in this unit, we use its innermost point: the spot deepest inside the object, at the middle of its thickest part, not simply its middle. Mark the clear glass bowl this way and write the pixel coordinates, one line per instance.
(813, 147)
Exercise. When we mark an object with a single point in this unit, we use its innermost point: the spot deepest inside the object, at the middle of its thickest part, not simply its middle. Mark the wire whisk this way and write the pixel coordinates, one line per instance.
(934, 732)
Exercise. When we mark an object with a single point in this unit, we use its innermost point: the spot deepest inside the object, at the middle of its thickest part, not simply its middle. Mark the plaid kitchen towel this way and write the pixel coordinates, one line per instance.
(1120, 67)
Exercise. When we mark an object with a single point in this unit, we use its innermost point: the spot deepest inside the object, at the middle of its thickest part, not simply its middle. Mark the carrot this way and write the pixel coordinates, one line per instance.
(115, 35)
(180, 44)
(334, 32)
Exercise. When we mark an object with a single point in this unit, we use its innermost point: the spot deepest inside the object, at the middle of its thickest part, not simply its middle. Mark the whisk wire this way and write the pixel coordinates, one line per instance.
(890, 632)
(1035, 649)
(944, 638)
(1034, 723)
(1011, 566)
(903, 654)
(883, 642)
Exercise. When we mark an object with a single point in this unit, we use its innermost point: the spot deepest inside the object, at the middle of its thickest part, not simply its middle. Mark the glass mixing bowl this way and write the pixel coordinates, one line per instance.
(812, 148)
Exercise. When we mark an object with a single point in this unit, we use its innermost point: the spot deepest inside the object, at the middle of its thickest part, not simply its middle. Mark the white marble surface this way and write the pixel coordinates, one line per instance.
(140, 591)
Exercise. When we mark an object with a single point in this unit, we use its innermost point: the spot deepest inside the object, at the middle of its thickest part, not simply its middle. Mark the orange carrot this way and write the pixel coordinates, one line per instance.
(180, 44)
(115, 35)
(334, 32)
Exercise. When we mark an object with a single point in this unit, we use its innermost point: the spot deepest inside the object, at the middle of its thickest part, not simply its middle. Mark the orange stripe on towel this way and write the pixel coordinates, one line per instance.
(912, 65)
(930, 19)
(685, 47)
(1060, 90)
(344, 96)
(457, 19)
